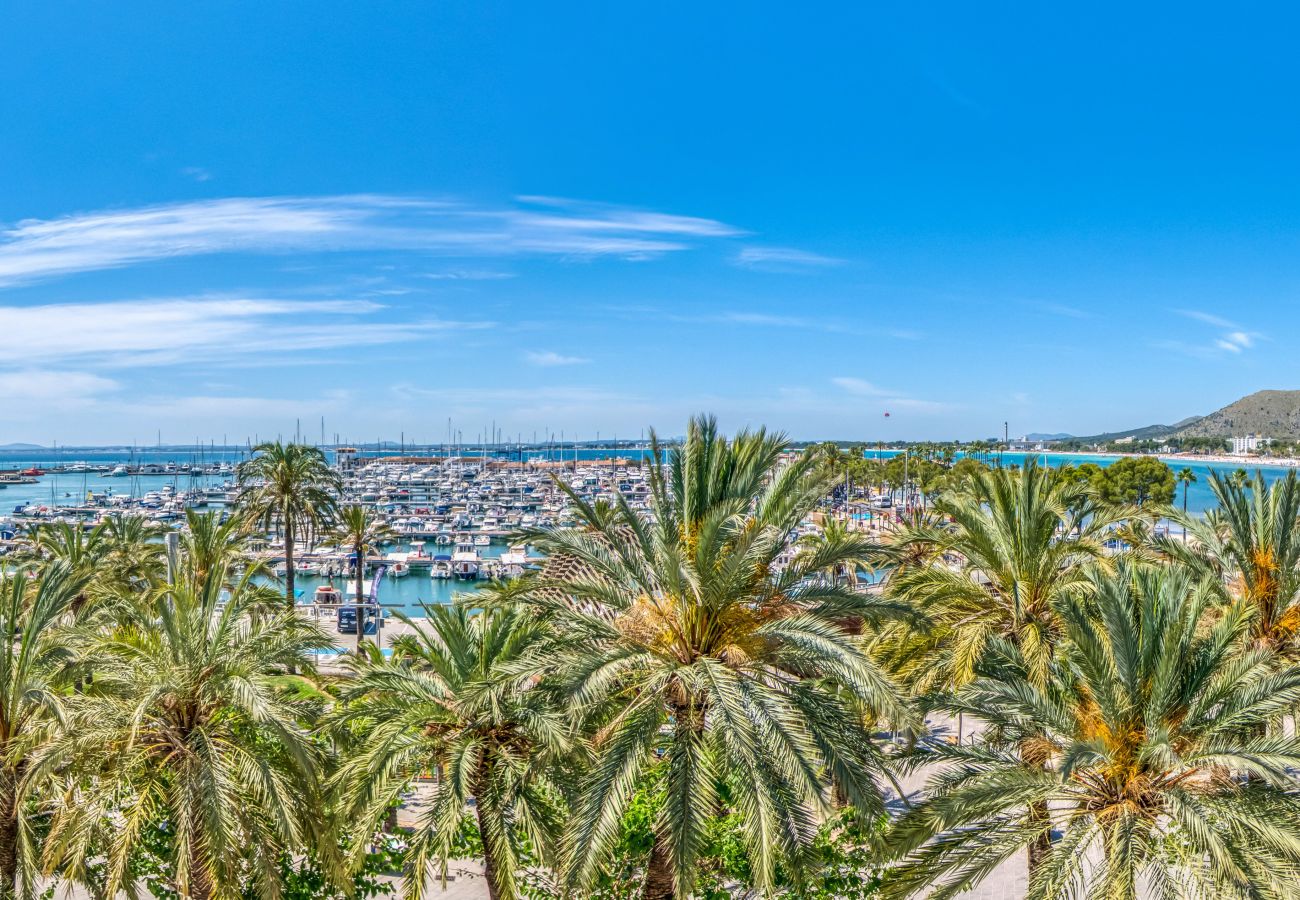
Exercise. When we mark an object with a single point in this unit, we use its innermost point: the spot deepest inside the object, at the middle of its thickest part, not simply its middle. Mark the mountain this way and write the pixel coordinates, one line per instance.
(1145, 433)
(1039, 436)
(21, 446)
(1274, 414)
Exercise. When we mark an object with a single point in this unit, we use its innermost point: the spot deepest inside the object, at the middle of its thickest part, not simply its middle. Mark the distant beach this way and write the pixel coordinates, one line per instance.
(1245, 462)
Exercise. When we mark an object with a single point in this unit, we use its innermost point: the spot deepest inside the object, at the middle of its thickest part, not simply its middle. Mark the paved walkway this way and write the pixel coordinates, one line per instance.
(1008, 881)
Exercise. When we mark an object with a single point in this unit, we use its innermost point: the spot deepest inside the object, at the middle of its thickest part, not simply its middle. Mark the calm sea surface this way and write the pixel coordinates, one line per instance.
(405, 594)
(408, 593)
(1199, 496)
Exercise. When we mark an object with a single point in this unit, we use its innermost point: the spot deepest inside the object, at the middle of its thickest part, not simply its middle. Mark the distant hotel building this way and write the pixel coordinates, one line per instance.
(346, 459)
(1248, 444)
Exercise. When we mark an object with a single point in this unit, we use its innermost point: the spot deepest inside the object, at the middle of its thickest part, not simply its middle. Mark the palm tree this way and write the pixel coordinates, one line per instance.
(68, 545)
(1015, 544)
(715, 661)
(1186, 477)
(1019, 543)
(292, 487)
(361, 529)
(33, 663)
(120, 555)
(1251, 544)
(211, 543)
(185, 724)
(63, 542)
(1162, 779)
(834, 533)
(448, 702)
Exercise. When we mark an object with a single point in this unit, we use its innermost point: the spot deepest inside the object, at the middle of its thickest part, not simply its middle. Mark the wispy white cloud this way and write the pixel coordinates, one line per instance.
(167, 409)
(468, 275)
(858, 387)
(580, 215)
(1185, 348)
(197, 173)
(1062, 309)
(889, 399)
(162, 332)
(53, 388)
(781, 259)
(1234, 340)
(1207, 318)
(36, 249)
(772, 320)
(549, 358)
(768, 319)
(920, 407)
(542, 405)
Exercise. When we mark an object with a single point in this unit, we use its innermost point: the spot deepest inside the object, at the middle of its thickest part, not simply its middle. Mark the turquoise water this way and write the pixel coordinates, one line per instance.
(404, 594)
(49, 458)
(70, 490)
(1199, 496)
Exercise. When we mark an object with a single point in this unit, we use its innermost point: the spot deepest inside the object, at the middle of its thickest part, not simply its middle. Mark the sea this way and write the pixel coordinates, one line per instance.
(408, 594)
(1199, 496)
(417, 589)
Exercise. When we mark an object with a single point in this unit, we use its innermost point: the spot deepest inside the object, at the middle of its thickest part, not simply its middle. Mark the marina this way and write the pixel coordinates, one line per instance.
(451, 517)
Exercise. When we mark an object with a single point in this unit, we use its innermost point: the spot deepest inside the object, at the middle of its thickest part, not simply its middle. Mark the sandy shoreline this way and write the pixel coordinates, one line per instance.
(1245, 462)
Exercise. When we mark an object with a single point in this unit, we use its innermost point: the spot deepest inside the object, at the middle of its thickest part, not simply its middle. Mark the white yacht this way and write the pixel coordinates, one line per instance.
(513, 562)
(441, 566)
(398, 567)
(465, 561)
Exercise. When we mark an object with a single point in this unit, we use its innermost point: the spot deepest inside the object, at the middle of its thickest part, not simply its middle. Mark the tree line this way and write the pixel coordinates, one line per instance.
(685, 701)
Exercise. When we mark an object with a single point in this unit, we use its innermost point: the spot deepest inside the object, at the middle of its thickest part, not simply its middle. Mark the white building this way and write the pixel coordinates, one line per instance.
(1248, 444)
(346, 459)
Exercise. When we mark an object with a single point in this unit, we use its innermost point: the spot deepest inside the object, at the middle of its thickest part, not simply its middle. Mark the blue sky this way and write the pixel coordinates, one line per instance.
(219, 219)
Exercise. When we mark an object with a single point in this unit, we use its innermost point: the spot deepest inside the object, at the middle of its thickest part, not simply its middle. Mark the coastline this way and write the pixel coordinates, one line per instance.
(1245, 462)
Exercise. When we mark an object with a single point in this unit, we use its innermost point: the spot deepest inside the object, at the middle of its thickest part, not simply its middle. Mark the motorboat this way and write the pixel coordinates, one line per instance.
(327, 595)
(465, 561)
(513, 562)
(441, 566)
(398, 565)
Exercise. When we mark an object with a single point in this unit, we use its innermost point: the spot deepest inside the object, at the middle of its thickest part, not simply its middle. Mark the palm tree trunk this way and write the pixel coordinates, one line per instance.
(1038, 814)
(199, 879)
(491, 872)
(289, 597)
(660, 871)
(489, 863)
(200, 887)
(361, 570)
(1041, 845)
(8, 833)
(659, 880)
